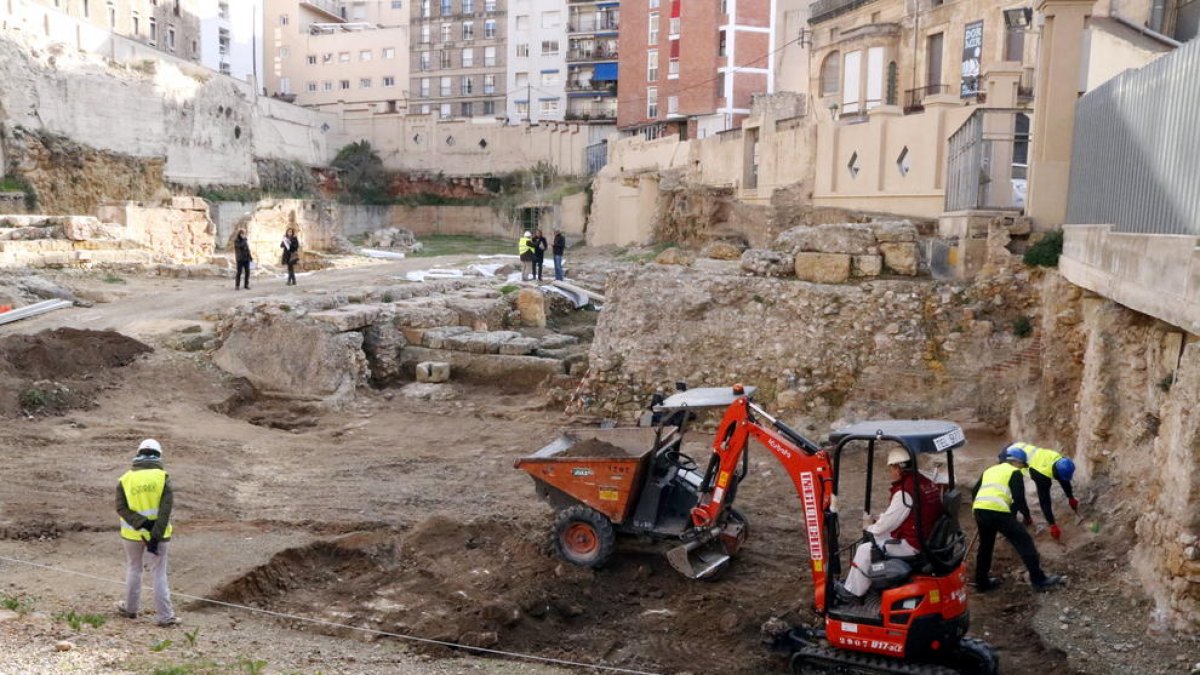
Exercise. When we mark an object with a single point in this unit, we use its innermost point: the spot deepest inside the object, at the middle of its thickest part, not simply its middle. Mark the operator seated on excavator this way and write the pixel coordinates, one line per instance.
(894, 534)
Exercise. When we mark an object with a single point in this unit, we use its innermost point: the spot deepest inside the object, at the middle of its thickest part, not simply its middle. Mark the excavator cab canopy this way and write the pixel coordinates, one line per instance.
(919, 436)
(705, 397)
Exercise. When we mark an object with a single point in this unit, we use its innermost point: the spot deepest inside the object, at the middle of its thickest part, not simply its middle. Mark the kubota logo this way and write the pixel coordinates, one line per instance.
(812, 519)
(778, 447)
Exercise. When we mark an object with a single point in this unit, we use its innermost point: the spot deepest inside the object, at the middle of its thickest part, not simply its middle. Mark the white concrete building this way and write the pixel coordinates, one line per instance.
(231, 39)
(537, 60)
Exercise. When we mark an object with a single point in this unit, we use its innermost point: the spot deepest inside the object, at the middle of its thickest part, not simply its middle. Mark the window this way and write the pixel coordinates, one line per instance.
(673, 28)
(550, 19)
(549, 47)
(831, 69)
(136, 26)
(223, 10)
(424, 111)
(312, 59)
(489, 56)
(446, 8)
(283, 19)
(397, 4)
(653, 4)
(344, 84)
(327, 85)
(112, 15)
(1014, 44)
(522, 79)
(652, 39)
(523, 50)
(285, 85)
(673, 69)
(489, 107)
(327, 57)
(523, 22)
(171, 41)
(86, 10)
(446, 84)
(364, 83)
(549, 106)
(343, 57)
(652, 65)
(424, 87)
(489, 28)
(489, 5)
(549, 78)
(652, 102)
(468, 31)
(672, 105)
(489, 84)
(468, 6)
(466, 86)
(468, 57)
(425, 31)
(153, 30)
(523, 109)
(446, 28)
(721, 44)
(444, 111)
(196, 48)
(446, 60)
(425, 61)
(851, 81)
(389, 52)
(933, 59)
(312, 86)
(282, 52)
(468, 109)
(425, 8)
(364, 55)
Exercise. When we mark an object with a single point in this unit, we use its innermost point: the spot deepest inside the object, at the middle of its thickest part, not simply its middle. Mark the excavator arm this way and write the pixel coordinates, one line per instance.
(806, 464)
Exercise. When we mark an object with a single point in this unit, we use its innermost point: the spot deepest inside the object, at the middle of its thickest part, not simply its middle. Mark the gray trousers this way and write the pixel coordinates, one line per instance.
(134, 552)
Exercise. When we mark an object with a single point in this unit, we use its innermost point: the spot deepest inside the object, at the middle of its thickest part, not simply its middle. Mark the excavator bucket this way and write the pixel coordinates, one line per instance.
(700, 558)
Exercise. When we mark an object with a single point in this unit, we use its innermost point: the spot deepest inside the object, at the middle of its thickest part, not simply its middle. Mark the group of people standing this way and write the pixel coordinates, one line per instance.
(532, 250)
(241, 253)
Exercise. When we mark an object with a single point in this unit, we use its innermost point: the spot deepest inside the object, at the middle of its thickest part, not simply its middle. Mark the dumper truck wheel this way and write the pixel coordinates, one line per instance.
(584, 537)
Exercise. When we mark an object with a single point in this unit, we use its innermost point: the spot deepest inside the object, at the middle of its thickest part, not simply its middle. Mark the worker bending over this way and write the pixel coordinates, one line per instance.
(1045, 465)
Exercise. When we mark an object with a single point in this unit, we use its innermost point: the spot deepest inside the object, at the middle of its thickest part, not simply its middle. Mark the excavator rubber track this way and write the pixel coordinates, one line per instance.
(973, 657)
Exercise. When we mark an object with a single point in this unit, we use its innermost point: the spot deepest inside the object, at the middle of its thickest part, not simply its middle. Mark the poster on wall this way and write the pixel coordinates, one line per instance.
(972, 50)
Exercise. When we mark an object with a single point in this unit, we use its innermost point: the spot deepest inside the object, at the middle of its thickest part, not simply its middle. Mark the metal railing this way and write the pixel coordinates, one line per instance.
(598, 54)
(822, 10)
(1133, 161)
(985, 167)
(914, 99)
(596, 156)
(589, 24)
(605, 88)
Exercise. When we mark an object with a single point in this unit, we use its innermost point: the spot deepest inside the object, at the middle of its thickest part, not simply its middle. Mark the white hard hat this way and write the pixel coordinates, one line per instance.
(898, 456)
(150, 447)
(527, 233)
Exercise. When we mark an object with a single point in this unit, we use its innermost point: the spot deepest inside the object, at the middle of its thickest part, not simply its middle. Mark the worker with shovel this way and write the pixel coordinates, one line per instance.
(1046, 465)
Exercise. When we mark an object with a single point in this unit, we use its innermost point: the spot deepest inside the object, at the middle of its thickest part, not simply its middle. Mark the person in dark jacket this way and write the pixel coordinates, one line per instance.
(539, 253)
(291, 254)
(144, 502)
(241, 253)
(559, 247)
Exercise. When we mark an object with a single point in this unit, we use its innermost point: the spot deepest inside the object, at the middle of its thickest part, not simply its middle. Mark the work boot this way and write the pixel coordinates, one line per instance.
(1050, 582)
(991, 584)
(844, 595)
(124, 612)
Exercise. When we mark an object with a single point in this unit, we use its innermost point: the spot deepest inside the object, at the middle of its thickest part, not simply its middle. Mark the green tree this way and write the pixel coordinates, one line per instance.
(362, 174)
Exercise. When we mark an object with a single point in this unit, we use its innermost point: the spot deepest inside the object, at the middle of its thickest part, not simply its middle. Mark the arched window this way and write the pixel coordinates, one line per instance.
(831, 70)
(893, 83)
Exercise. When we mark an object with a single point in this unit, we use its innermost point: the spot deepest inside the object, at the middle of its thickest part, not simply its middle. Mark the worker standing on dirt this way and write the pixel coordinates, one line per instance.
(559, 247)
(241, 254)
(525, 250)
(997, 491)
(144, 502)
(895, 532)
(539, 253)
(1046, 465)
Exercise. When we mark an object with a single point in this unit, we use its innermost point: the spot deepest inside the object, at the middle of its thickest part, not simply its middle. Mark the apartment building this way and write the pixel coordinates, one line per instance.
(593, 33)
(338, 54)
(172, 26)
(728, 46)
(231, 37)
(537, 60)
(458, 58)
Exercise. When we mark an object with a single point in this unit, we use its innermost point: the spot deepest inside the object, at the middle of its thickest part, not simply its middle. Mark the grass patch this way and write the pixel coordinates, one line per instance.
(388, 297)
(76, 621)
(252, 666)
(20, 604)
(508, 288)
(457, 244)
(111, 278)
(10, 184)
(161, 646)
(644, 255)
(1046, 251)
(33, 399)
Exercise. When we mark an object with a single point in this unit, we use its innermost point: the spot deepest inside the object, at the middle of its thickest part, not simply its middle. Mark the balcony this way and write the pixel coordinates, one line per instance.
(598, 113)
(914, 99)
(592, 87)
(329, 7)
(590, 24)
(596, 54)
(823, 10)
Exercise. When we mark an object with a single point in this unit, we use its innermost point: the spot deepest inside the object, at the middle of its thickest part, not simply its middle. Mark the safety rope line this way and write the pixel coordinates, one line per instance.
(334, 624)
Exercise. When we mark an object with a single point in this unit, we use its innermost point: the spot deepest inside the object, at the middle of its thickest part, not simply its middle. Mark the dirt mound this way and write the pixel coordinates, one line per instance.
(594, 447)
(66, 353)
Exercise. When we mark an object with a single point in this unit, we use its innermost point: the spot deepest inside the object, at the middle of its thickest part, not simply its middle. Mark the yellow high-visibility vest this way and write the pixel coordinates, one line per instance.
(143, 491)
(994, 493)
(1041, 460)
(525, 245)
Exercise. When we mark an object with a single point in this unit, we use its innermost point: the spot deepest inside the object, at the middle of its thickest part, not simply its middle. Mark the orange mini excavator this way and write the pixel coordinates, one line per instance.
(914, 619)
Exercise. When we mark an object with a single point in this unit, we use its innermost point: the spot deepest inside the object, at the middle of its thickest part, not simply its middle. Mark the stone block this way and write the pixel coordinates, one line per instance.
(722, 250)
(764, 263)
(866, 265)
(674, 256)
(513, 371)
(848, 238)
(414, 336)
(900, 258)
(433, 371)
(480, 342)
(349, 317)
(425, 316)
(892, 232)
(435, 338)
(519, 346)
(823, 268)
(479, 313)
(531, 305)
(557, 341)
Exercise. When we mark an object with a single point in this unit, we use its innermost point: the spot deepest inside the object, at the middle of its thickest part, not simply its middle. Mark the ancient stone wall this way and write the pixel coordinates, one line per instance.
(178, 230)
(1118, 391)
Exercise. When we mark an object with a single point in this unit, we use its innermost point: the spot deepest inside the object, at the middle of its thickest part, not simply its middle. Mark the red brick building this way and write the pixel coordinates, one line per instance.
(692, 65)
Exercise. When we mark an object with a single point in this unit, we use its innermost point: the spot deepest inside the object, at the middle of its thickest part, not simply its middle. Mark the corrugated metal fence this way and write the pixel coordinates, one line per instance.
(1136, 157)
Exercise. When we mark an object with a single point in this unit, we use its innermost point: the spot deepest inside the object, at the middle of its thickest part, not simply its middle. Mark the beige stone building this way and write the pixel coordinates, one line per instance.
(172, 26)
(337, 54)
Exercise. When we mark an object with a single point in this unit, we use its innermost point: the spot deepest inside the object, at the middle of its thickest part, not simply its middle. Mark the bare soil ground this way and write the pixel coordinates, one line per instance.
(407, 517)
